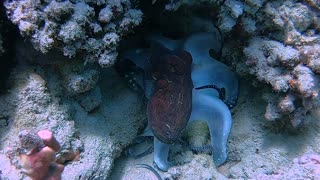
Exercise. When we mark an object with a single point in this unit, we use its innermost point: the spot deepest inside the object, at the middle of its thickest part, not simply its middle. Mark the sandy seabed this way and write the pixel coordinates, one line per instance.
(257, 150)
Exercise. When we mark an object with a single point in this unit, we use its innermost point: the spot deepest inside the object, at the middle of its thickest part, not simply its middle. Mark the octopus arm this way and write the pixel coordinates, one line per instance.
(207, 70)
(218, 74)
(200, 44)
(140, 57)
(216, 113)
(161, 154)
(161, 151)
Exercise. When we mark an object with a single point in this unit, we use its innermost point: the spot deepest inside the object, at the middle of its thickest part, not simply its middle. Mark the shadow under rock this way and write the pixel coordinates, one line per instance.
(294, 143)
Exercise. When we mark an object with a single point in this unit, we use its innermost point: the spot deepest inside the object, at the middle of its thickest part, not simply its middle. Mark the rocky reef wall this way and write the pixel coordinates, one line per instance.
(64, 80)
(91, 29)
(274, 43)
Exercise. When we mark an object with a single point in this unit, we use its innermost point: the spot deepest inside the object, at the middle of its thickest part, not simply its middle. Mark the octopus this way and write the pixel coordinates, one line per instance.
(169, 107)
(183, 83)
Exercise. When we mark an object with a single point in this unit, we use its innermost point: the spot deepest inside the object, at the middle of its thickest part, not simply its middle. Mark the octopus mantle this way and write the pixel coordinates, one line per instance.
(169, 107)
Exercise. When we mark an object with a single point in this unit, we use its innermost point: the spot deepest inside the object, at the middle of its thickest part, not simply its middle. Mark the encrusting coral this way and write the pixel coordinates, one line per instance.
(38, 160)
(285, 59)
(276, 43)
(90, 28)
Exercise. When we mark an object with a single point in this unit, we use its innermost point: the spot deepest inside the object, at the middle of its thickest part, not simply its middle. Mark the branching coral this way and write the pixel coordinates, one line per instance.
(92, 28)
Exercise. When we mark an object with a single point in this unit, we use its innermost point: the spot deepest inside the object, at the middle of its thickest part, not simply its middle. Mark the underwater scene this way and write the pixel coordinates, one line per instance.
(159, 89)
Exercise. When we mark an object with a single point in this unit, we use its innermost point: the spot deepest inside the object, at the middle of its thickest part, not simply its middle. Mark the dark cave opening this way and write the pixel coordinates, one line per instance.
(9, 34)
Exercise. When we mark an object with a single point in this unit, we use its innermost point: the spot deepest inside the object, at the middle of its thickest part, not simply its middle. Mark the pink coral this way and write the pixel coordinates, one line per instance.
(40, 163)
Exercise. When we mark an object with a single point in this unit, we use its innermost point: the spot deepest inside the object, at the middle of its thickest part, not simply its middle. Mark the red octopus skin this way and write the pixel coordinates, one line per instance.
(169, 108)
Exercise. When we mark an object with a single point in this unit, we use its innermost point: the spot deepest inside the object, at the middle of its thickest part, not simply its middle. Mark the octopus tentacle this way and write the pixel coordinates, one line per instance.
(161, 154)
(200, 44)
(216, 113)
(221, 91)
(207, 70)
(201, 149)
(141, 59)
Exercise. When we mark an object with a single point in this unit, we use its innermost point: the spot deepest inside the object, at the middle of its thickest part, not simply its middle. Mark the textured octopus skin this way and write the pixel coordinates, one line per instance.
(169, 107)
(206, 104)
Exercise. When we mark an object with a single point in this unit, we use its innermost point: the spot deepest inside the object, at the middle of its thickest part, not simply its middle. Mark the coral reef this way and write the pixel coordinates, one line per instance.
(78, 79)
(31, 106)
(296, 84)
(272, 42)
(77, 103)
(38, 99)
(87, 28)
(283, 56)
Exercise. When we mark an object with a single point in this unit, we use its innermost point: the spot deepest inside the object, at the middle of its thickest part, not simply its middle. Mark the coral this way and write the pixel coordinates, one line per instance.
(30, 141)
(279, 46)
(262, 53)
(39, 163)
(49, 140)
(313, 3)
(281, 67)
(310, 56)
(229, 13)
(77, 79)
(80, 83)
(32, 104)
(90, 28)
(91, 100)
(38, 99)
(272, 42)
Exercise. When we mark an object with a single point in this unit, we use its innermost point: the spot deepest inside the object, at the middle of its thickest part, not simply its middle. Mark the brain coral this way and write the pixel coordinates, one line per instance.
(89, 28)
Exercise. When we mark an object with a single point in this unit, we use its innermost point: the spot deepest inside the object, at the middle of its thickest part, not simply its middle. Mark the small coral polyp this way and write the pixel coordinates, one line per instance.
(214, 92)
